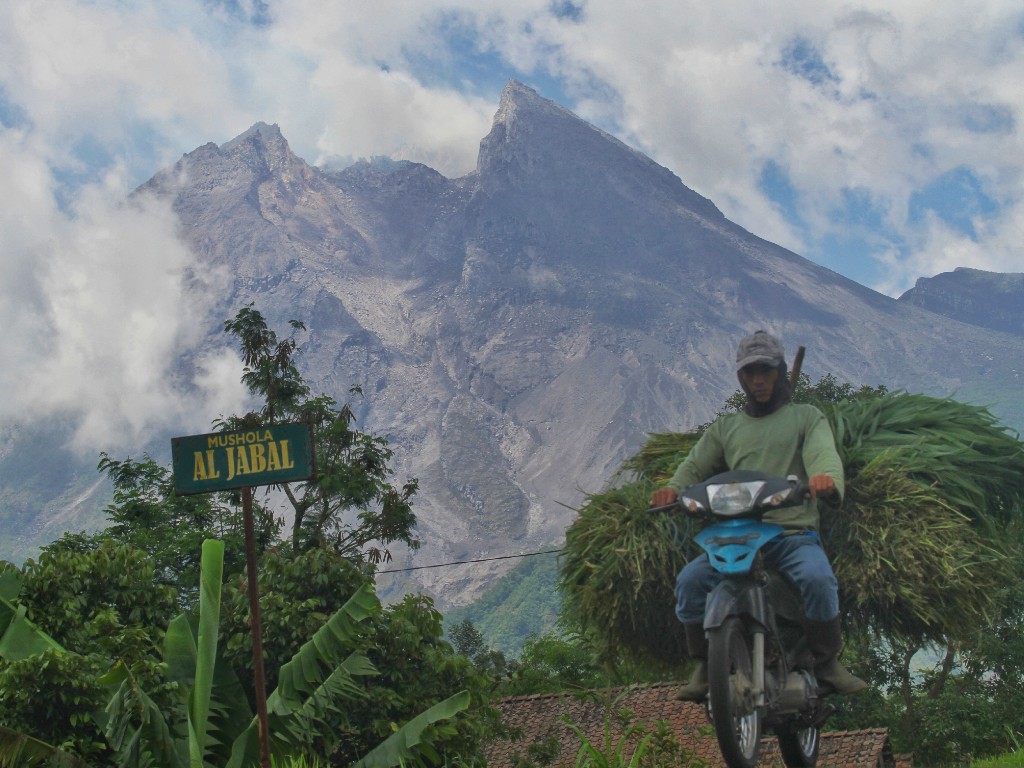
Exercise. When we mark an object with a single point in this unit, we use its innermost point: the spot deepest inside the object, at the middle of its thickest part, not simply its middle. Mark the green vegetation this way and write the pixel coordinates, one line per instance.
(351, 506)
(524, 602)
(132, 646)
(1009, 760)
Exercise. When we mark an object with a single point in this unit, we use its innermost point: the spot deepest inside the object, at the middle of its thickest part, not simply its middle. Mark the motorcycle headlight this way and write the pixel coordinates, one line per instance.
(734, 498)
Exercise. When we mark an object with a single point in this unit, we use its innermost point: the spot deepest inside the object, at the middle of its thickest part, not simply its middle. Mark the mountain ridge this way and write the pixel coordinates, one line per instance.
(990, 300)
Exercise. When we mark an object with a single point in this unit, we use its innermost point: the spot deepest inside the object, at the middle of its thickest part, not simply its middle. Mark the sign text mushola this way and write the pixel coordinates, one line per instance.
(260, 456)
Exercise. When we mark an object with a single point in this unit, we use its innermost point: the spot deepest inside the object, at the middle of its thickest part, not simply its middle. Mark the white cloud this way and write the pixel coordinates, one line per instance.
(879, 97)
(342, 77)
(942, 249)
(219, 379)
(704, 91)
(95, 309)
(97, 96)
(123, 77)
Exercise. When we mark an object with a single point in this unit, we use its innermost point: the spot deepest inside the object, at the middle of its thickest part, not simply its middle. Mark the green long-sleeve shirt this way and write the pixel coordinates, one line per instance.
(794, 440)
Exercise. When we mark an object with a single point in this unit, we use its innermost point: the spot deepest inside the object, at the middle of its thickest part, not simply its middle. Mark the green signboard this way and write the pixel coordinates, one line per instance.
(219, 461)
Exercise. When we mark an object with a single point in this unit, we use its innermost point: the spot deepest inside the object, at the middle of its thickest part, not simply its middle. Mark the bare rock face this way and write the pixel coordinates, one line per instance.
(518, 331)
(993, 300)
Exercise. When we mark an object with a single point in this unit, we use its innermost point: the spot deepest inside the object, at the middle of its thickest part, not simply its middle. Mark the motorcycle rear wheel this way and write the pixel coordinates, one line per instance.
(799, 747)
(730, 694)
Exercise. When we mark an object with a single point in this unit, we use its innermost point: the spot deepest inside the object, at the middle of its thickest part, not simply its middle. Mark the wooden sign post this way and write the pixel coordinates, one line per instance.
(242, 459)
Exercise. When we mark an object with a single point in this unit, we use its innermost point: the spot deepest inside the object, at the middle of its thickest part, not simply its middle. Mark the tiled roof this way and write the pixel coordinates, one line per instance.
(540, 720)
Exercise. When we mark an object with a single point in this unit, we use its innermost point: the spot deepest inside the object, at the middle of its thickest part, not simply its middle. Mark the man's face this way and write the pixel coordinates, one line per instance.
(759, 380)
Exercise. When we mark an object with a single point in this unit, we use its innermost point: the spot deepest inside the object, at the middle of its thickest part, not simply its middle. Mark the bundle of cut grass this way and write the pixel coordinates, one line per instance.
(660, 456)
(618, 569)
(909, 563)
(962, 449)
(919, 545)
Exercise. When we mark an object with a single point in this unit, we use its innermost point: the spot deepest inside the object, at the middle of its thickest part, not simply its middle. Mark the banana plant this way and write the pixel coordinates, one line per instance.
(191, 658)
(220, 728)
(404, 746)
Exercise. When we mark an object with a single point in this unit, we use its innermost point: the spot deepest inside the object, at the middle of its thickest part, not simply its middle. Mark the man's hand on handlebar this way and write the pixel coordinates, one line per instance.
(663, 497)
(821, 485)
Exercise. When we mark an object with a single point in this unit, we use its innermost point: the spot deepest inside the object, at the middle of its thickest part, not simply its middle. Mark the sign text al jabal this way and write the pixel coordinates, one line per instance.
(218, 461)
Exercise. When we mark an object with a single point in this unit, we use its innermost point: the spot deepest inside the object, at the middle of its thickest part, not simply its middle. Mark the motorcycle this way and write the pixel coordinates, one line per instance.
(760, 667)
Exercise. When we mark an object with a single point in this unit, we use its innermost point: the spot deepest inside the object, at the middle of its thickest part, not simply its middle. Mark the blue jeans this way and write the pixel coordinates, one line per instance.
(799, 557)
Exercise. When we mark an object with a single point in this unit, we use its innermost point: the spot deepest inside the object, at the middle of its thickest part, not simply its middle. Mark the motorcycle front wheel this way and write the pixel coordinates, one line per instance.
(799, 747)
(730, 694)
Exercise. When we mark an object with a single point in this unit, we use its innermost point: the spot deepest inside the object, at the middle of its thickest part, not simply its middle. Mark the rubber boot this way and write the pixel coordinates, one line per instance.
(825, 641)
(697, 645)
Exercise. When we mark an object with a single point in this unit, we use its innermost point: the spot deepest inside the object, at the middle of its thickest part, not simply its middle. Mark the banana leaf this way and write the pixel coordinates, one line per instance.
(19, 637)
(137, 729)
(18, 750)
(321, 671)
(211, 576)
(400, 747)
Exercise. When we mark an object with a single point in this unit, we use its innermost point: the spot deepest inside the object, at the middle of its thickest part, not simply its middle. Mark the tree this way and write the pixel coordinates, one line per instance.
(828, 390)
(27, 651)
(404, 642)
(102, 598)
(469, 642)
(418, 667)
(555, 662)
(149, 515)
(318, 681)
(352, 466)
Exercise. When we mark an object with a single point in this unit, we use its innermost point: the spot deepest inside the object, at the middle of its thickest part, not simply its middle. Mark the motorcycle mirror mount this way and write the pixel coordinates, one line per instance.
(796, 489)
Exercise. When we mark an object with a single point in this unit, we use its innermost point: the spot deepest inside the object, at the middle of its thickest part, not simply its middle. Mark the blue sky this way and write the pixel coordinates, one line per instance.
(880, 139)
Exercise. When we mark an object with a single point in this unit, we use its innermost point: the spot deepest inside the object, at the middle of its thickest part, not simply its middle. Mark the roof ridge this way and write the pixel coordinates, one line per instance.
(584, 691)
(857, 732)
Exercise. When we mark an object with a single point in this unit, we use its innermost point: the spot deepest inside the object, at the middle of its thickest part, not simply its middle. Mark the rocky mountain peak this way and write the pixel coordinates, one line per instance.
(518, 99)
(258, 154)
(993, 300)
(262, 148)
(534, 139)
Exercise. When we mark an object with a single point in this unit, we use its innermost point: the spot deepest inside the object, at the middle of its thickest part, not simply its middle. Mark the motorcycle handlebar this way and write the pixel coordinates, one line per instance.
(677, 506)
(801, 489)
(665, 507)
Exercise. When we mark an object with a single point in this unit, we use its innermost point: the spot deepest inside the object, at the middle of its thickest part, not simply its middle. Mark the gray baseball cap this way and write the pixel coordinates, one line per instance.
(760, 347)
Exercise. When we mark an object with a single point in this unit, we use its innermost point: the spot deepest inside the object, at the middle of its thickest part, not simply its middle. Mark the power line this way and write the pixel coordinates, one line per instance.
(465, 562)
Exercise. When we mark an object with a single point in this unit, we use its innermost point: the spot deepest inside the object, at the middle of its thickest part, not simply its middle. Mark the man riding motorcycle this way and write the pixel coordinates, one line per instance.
(774, 436)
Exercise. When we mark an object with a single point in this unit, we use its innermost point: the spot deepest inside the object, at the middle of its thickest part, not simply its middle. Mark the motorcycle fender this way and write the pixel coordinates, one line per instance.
(731, 598)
